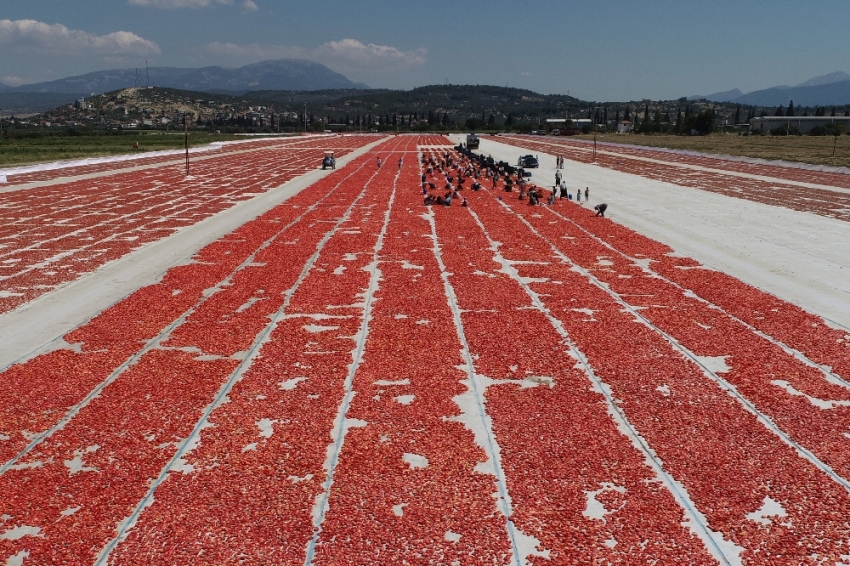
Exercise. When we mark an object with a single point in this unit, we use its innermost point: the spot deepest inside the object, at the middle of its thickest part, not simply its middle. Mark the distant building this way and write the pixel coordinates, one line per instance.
(624, 127)
(764, 124)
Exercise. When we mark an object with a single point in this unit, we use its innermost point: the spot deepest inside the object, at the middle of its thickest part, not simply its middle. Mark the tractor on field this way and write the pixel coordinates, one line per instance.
(472, 141)
(329, 162)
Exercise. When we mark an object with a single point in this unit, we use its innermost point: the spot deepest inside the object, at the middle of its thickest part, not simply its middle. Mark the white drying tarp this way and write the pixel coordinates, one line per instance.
(798, 256)
(50, 166)
(53, 165)
(739, 158)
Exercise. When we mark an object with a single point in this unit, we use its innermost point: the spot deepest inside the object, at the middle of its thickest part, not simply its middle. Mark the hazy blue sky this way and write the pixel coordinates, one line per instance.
(597, 50)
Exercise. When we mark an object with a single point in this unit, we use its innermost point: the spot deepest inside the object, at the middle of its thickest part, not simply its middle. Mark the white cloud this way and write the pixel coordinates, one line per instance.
(174, 4)
(353, 51)
(342, 55)
(12, 80)
(32, 35)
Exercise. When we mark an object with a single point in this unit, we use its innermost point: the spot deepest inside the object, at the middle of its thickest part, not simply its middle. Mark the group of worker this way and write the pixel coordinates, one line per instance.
(453, 172)
(457, 169)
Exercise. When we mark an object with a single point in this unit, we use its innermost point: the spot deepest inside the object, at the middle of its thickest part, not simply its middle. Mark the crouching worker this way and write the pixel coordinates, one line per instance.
(600, 209)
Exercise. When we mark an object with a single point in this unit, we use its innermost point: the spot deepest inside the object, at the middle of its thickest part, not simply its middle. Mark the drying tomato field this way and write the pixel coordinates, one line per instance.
(798, 189)
(53, 234)
(355, 378)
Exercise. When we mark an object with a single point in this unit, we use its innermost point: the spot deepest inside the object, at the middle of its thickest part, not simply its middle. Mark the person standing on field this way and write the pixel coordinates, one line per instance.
(587, 194)
(557, 178)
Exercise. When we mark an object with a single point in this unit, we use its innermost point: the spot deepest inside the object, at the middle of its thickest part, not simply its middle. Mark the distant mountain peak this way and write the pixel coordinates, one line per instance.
(277, 74)
(724, 96)
(836, 77)
(832, 89)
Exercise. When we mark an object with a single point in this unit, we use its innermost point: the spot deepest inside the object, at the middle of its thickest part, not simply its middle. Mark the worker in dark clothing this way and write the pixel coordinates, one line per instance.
(600, 209)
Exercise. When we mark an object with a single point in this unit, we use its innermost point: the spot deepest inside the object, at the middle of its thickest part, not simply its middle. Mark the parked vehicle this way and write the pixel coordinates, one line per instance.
(528, 162)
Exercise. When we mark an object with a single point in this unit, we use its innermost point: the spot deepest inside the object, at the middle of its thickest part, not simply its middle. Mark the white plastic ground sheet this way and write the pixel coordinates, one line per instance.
(738, 158)
(797, 256)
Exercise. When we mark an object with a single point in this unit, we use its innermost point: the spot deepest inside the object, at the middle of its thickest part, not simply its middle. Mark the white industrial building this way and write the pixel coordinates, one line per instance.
(764, 124)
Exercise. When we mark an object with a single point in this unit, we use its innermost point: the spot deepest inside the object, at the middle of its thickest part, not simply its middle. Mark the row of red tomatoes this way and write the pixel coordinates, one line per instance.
(727, 460)
(102, 460)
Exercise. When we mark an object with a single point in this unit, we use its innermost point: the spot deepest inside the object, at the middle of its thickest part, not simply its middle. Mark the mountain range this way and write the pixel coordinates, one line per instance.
(825, 90)
(280, 74)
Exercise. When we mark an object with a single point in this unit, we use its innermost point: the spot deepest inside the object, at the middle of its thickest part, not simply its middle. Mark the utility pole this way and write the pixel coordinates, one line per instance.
(186, 140)
(594, 133)
(305, 117)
